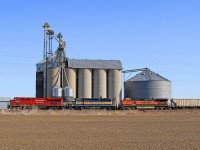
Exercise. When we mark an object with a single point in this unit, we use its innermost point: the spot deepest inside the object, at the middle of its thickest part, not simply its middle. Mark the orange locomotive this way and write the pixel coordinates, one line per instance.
(129, 103)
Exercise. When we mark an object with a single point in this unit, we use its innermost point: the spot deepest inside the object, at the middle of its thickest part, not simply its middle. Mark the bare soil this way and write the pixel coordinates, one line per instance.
(89, 129)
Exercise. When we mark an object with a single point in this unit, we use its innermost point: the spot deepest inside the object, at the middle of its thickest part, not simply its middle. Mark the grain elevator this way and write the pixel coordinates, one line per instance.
(59, 76)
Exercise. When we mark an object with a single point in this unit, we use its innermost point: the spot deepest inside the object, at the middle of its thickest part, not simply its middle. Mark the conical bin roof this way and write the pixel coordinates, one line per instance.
(147, 75)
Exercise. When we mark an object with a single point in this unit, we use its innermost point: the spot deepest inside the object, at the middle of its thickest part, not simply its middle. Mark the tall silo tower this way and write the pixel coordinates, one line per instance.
(70, 75)
(85, 83)
(115, 85)
(99, 83)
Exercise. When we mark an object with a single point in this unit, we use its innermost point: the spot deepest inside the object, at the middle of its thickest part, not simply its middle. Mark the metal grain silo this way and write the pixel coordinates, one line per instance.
(84, 83)
(114, 85)
(53, 79)
(57, 92)
(68, 92)
(147, 85)
(99, 83)
(71, 76)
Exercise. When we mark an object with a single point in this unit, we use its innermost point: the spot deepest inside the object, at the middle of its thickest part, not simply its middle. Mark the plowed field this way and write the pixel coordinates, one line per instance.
(119, 130)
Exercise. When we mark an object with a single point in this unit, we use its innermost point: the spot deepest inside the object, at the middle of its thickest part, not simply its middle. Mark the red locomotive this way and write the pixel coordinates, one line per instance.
(31, 102)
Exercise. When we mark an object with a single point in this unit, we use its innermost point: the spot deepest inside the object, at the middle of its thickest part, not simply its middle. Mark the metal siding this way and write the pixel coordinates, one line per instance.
(94, 64)
(148, 89)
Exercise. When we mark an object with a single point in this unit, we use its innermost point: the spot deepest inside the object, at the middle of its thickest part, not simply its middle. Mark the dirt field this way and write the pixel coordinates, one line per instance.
(100, 130)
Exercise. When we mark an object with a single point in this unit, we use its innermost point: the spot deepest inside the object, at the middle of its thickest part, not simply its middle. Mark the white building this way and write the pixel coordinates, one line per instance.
(4, 102)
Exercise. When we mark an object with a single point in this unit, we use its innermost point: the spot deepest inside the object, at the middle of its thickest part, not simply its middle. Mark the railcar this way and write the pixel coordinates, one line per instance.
(31, 102)
(90, 104)
(184, 103)
(129, 103)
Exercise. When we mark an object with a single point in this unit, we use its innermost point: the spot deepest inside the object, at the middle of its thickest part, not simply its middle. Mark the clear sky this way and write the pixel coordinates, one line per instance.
(163, 35)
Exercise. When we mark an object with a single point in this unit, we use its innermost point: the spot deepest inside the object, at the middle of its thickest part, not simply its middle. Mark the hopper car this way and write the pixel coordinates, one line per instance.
(184, 103)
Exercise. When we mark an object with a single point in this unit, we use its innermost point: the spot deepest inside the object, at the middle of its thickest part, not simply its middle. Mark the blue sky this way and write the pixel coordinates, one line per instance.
(163, 35)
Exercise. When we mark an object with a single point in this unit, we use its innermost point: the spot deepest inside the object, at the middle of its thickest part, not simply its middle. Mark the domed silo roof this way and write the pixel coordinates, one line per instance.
(148, 85)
